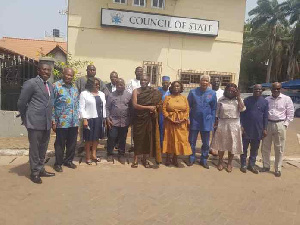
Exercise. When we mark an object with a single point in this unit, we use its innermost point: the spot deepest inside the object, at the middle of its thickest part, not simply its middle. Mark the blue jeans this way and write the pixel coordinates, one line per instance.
(114, 134)
(205, 144)
(254, 145)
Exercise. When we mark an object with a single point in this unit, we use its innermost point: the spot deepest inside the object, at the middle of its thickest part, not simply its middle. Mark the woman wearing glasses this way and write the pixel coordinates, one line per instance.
(92, 111)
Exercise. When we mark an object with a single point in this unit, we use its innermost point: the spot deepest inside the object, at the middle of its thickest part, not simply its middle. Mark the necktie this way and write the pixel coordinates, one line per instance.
(47, 88)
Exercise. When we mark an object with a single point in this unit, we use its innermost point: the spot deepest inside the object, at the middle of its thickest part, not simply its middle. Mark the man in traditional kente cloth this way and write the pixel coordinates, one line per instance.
(146, 102)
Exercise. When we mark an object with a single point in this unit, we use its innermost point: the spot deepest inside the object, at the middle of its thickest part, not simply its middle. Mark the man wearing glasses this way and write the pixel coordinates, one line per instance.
(280, 114)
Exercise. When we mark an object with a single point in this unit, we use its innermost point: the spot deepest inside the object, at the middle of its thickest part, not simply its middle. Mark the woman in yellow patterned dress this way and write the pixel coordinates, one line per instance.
(176, 113)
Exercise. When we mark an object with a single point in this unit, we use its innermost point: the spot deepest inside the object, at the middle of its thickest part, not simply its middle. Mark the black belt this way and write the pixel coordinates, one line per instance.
(275, 121)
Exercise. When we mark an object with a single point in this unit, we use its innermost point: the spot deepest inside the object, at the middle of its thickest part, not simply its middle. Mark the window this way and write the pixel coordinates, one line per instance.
(120, 1)
(139, 3)
(190, 77)
(158, 4)
(153, 69)
(225, 77)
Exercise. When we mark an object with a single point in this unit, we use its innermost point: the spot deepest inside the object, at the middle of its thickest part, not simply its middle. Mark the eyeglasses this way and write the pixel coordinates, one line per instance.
(276, 89)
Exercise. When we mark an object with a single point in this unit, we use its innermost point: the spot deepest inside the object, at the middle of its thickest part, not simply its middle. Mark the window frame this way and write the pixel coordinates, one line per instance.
(139, 4)
(157, 7)
(125, 3)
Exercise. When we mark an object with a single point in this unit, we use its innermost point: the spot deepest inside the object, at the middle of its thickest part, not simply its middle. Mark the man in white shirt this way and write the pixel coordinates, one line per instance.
(135, 82)
(281, 113)
(215, 83)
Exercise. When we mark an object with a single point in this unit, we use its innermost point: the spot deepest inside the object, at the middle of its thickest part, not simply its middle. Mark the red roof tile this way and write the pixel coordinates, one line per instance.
(30, 47)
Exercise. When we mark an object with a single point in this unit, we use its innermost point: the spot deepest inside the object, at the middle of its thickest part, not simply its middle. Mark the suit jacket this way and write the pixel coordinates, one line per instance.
(35, 105)
(109, 87)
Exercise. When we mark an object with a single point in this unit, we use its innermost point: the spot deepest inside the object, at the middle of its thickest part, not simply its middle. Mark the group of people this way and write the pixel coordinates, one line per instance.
(162, 120)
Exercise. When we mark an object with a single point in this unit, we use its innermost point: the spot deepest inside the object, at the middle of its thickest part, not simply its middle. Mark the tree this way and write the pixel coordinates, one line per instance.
(267, 14)
(291, 9)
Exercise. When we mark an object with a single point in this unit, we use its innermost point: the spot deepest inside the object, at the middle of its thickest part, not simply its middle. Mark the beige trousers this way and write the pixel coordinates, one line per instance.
(277, 134)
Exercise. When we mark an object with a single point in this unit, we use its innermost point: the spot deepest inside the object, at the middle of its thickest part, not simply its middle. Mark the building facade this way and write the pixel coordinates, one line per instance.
(183, 39)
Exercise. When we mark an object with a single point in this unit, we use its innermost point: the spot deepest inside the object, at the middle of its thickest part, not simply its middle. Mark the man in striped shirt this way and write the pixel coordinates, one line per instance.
(280, 114)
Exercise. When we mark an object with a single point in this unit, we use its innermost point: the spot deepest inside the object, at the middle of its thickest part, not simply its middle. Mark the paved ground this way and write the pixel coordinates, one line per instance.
(117, 194)
(292, 143)
(110, 193)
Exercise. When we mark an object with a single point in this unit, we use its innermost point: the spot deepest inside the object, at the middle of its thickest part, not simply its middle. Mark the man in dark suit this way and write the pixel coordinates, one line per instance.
(35, 106)
(113, 80)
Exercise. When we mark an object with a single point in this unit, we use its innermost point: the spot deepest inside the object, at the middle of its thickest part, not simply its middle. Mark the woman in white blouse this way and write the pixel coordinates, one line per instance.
(92, 111)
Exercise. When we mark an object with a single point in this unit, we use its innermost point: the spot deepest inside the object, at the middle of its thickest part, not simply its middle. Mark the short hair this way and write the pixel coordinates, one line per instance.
(90, 84)
(40, 63)
(229, 85)
(138, 68)
(173, 84)
(114, 72)
(205, 76)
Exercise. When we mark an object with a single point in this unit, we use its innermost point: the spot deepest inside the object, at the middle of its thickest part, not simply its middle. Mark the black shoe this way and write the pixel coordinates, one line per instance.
(264, 169)
(277, 174)
(205, 165)
(253, 169)
(243, 169)
(57, 168)
(121, 159)
(46, 174)
(36, 179)
(189, 163)
(70, 165)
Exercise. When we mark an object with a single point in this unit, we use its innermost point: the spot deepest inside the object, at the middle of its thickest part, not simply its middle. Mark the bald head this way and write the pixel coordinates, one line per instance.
(68, 75)
(276, 88)
(120, 85)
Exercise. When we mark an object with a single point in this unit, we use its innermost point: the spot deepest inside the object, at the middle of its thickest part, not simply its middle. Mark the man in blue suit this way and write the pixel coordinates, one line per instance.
(203, 104)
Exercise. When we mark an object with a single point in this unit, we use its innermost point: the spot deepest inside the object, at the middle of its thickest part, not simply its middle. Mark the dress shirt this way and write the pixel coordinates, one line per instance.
(219, 93)
(87, 105)
(46, 84)
(133, 84)
(202, 109)
(281, 108)
(255, 118)
(81, 82)
(66, 105)
(118, 108)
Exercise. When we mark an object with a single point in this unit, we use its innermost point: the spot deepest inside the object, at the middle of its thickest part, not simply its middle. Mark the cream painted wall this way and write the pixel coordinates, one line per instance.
(123, 49)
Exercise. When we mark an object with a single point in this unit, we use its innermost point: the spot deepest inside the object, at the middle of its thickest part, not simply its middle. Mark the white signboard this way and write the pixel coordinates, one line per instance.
(147, 21)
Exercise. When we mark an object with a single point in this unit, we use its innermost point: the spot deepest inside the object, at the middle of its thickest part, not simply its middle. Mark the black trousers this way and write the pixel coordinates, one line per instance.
(114, 134)
(66, 138)
(38, 144)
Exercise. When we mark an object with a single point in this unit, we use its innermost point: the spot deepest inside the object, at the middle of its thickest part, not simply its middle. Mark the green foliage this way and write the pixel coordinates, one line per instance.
(76, 65)
(271, 49)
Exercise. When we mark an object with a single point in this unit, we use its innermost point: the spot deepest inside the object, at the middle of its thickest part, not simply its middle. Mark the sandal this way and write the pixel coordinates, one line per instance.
(220, 166)
(134, 165)
(229, 168)
(96, 160)
(89, 162)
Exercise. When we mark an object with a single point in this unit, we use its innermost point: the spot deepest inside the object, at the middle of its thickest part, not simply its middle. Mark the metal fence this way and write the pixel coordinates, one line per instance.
(14, 71)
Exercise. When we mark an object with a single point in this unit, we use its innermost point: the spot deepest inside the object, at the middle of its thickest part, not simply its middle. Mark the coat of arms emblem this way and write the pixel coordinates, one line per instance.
(116, 17)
